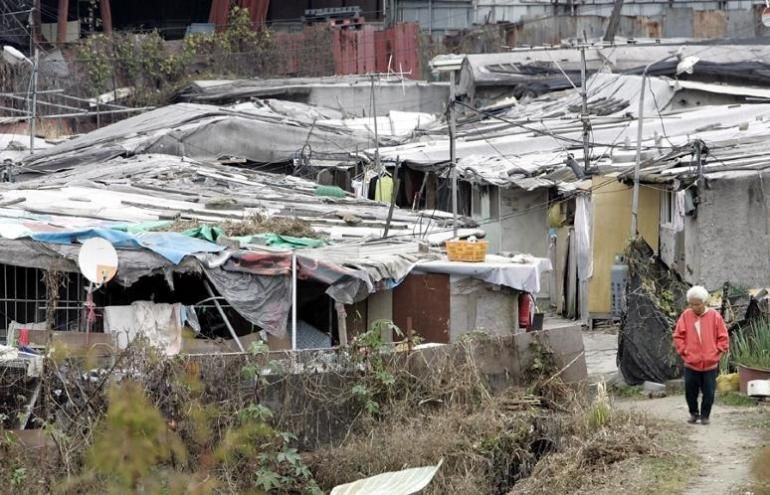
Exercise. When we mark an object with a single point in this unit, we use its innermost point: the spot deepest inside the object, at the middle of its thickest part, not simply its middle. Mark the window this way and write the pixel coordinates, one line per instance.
(486, 202)
(668, 208)
(476, 192)
(494, 202)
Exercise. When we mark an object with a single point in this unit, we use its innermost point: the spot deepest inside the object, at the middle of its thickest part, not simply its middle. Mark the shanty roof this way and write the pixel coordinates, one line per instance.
(205, 132)
(227, 91)
(263, 132)
(487, 68)
(527, 145)
(149, 188)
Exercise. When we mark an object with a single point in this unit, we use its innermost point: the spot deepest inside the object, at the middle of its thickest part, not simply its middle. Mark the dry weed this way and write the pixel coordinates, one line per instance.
(484, 453)
(589, 449)
(253, 225)
(260, 224)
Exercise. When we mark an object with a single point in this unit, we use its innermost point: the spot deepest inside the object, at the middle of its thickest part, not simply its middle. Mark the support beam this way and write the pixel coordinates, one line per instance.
(224, 316)
(61, 22)
(37, 37)
(614, 22)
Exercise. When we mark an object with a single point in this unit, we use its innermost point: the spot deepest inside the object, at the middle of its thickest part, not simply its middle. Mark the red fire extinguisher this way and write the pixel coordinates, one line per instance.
(525, 306)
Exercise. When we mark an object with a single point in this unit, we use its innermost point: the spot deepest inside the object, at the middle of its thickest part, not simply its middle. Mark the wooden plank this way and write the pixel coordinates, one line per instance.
(571, 290)
(560, 268)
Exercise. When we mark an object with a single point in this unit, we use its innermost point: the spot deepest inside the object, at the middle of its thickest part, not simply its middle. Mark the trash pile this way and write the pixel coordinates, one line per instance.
(655, 297)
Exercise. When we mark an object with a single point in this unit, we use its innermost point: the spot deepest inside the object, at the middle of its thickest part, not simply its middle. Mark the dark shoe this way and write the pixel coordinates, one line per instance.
(693, 419)
(705, 421)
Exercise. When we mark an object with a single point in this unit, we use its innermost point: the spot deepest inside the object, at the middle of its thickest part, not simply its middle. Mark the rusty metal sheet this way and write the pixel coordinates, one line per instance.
(423, 300)
(709, 23)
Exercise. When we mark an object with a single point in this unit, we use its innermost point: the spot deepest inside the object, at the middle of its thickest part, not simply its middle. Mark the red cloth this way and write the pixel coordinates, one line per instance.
(701, 354)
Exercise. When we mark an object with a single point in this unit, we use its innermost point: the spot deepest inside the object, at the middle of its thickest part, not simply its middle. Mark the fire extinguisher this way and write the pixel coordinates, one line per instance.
(525, 309)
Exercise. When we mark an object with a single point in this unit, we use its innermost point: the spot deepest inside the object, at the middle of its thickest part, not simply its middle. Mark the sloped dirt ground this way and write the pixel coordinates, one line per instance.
(722, 451)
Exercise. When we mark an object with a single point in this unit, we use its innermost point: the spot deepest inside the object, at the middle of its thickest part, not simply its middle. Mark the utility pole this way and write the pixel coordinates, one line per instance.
(34, 102)
(376, 133)
(394, 194)
(452, 157)
(584, 112)
(614, 22)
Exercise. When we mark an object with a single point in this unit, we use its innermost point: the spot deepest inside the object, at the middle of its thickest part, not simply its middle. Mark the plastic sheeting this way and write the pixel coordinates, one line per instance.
(645, 342)
(161, 324)
(256, 285)
(523, 277)
(171, 245)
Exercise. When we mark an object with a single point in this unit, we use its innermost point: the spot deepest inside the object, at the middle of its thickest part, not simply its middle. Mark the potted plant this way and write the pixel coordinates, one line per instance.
(750, 350)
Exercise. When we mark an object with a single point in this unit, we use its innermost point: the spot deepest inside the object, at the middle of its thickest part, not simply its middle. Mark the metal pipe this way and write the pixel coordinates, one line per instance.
(293, 301)
(584, 112)
(638, 162)
(34, 103)
(45, 103)
(88, 114)
(452, 157)
(224, 316)
(44, 92)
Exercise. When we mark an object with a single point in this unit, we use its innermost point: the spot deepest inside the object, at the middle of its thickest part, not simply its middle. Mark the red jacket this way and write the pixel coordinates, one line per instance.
(701, 354)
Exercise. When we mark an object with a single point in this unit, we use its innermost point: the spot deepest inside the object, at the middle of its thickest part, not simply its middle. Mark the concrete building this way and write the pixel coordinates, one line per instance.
(536, 23)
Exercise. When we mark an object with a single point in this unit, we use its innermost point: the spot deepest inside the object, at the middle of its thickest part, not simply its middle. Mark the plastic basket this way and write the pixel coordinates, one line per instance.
(473, 252)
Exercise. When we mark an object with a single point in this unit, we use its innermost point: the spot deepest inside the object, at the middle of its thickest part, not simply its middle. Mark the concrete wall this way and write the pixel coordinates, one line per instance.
(729, 240)
(477, 305)
(611, 202)
(524, 227)
(523, 221)
(503, 362)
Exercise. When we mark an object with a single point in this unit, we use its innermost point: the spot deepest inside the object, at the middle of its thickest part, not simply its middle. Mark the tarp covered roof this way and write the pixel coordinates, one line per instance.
(527, 145)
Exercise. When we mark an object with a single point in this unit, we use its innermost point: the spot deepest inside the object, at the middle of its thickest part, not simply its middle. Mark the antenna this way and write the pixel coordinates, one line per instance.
(98, 261)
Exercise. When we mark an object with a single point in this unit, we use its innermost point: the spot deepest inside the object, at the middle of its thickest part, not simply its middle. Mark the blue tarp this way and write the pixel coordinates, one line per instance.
(171, 245)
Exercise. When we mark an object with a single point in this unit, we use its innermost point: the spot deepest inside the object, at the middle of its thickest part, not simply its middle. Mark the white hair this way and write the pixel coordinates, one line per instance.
(698, 293)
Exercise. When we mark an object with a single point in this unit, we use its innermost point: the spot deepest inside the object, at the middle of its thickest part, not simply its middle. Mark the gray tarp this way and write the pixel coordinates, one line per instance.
(132, 263)
(203, 132)
(263, 300)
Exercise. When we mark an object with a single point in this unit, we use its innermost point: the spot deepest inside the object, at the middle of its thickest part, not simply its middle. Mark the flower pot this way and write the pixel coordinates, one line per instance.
(747, 374)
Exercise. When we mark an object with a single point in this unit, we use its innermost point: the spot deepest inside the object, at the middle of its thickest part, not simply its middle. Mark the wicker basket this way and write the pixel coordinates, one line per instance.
(474, 252)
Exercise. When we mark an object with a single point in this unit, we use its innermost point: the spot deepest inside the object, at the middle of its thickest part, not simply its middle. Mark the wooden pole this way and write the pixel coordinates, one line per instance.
(106, 10)
(584, 111)
(37, 38)
(614, 22)
(393, 196)
(452, 157)
(61, 25)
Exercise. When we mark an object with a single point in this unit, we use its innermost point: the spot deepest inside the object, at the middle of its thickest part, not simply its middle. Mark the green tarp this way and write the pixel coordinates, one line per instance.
(212, 233)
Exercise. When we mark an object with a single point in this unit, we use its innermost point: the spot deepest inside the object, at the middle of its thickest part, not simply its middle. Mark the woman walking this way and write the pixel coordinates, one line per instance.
(701, 339)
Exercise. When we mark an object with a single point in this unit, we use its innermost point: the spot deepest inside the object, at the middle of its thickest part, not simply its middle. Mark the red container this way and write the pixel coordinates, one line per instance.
(23, 337)
(746, 374)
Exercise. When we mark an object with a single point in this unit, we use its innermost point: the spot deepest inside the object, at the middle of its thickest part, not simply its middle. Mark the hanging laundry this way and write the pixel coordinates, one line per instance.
(384, 190)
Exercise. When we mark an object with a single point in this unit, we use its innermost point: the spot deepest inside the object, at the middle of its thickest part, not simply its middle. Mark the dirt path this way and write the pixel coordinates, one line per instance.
(724, 447)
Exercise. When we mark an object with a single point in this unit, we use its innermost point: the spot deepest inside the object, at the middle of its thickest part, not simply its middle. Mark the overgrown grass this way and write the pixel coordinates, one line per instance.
(627, 391)
(735, 399)
(667, 474)
(751, 347)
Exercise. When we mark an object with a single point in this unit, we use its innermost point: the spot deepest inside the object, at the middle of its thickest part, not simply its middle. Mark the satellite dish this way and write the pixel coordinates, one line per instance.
(98, 260)
(766, 16)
